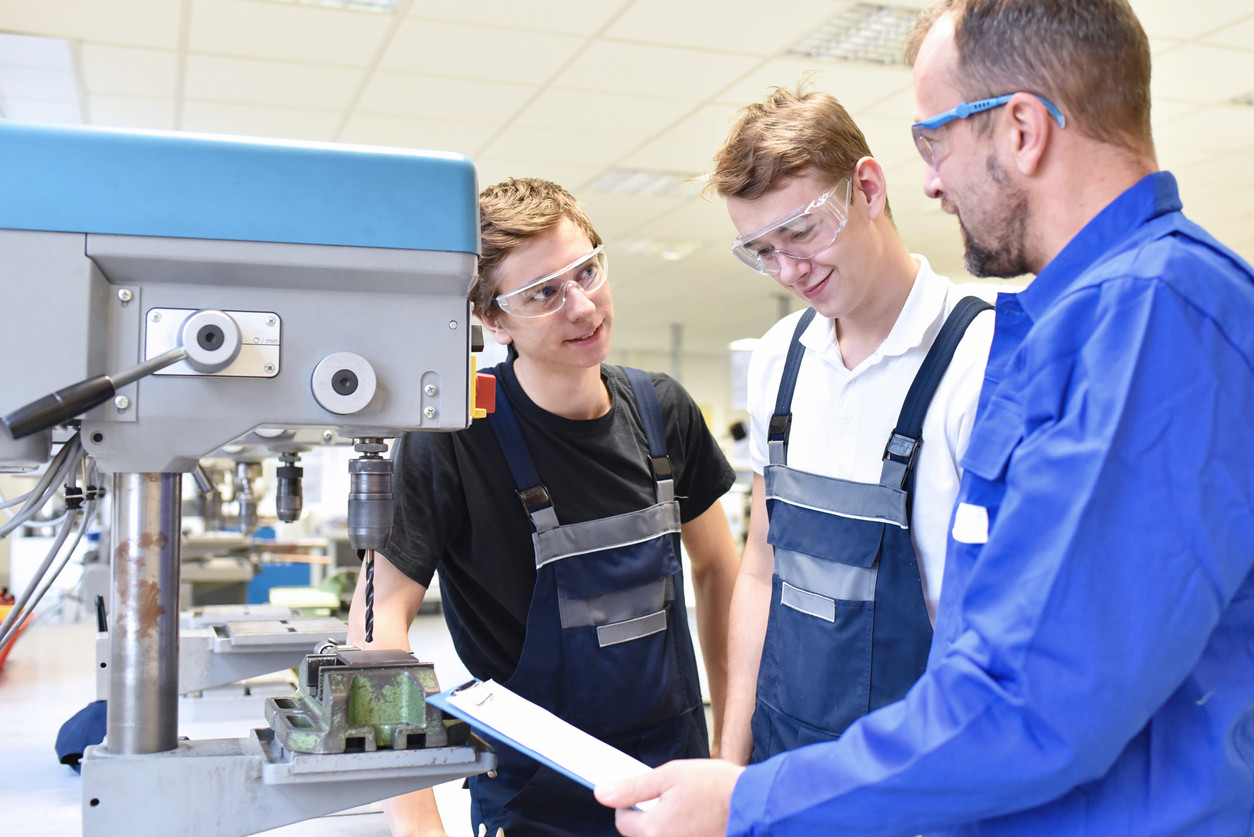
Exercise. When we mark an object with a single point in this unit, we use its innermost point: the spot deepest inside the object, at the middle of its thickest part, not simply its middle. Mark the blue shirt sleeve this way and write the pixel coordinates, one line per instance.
(1114, 460)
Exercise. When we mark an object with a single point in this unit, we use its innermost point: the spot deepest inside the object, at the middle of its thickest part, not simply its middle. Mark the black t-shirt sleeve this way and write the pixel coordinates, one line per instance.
(704, 475)
(426, 514)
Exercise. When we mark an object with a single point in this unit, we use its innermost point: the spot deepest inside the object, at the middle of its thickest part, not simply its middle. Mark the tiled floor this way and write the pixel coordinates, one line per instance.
(49, 675)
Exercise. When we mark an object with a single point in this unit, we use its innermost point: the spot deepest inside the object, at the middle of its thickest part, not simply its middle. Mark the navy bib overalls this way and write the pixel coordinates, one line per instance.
(848, 629)
(607, 645)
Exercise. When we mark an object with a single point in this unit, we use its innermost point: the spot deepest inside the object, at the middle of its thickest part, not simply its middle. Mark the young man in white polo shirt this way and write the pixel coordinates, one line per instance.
(854, 481)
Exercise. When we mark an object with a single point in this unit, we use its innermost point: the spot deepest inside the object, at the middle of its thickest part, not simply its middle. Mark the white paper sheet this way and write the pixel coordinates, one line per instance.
(501, 714)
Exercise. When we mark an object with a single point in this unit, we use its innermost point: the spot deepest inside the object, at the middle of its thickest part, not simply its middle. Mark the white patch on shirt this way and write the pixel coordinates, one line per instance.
(970, 524)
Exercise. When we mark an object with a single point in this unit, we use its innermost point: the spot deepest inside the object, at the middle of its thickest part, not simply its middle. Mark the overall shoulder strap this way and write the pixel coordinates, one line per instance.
(781, 420)
(903, 444)
(534, 496)
(654, 429)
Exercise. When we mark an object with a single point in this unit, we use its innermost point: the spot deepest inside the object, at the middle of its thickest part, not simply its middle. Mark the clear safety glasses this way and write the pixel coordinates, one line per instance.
(547, 294)
(927, 143)
(802, 234)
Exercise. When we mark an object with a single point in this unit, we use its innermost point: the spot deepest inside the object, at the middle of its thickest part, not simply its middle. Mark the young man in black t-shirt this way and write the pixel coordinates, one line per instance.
(518, 611)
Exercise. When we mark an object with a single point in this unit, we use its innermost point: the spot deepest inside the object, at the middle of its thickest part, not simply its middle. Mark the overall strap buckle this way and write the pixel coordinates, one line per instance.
(899, 456)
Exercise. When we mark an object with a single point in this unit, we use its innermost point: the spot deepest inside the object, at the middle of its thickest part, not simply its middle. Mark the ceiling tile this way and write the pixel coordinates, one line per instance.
(259, 121)
(674, 155)
(415, 132)
(1220, 128)
(567, 90)
(722, 25)
(1204, 74)
(1232, 173)
(131, 112)
(287, 31)
(708, 124)
(1238, 35)
(559, 16)
(121, 22)
(478, 52)
(574, 178)
(596, 150)
(1182, 21)
(38, 83)
(247, 81)
(618, 216)
(889, 139)
(128, 71)
(857, 85)
(610, 113)
(642, 70)
(42, 110)
(1174, 158)
(443, 98)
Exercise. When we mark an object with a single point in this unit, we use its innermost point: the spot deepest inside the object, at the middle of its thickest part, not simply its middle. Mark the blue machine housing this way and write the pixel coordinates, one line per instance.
(172, 185)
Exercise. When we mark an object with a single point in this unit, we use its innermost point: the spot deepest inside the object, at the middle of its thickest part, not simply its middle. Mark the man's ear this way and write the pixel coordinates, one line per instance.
(492, 325)
(870, 181)
(1030, 128)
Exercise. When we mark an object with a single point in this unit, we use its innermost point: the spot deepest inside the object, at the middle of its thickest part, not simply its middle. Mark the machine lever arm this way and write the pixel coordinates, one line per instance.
(76, 399)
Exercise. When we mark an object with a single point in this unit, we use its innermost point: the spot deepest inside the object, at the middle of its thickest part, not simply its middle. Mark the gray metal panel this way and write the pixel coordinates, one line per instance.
(405, 313)
(230, 787)
(299, 632)
(606, 533)
(811, 603)
(862, 501)
(641, 626)
(833, 579)
(617, 606)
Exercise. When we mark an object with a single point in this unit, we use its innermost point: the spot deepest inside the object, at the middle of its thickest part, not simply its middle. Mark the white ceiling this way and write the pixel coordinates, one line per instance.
(570, 90)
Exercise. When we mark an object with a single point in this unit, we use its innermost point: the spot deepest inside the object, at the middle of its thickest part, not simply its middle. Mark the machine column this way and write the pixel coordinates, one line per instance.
(144, 616)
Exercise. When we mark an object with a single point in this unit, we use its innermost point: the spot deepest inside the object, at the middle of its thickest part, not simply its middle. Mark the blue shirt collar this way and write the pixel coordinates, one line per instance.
(1155, 194)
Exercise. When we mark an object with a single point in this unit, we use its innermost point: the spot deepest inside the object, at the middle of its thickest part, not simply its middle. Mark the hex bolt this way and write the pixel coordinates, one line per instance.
(121, 402)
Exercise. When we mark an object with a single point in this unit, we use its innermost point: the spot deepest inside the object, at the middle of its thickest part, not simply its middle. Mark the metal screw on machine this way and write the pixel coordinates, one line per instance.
(125, 295)
(121, 402)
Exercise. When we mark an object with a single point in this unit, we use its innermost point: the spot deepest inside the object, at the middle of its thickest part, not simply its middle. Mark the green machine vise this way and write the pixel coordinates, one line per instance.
(355, 701)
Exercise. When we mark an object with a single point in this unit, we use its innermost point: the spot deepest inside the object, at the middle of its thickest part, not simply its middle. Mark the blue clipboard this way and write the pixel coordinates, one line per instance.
(536, 735)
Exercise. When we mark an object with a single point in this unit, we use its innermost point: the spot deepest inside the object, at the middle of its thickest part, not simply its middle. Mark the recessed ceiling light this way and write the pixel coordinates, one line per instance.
(862, 32)
(642, 182)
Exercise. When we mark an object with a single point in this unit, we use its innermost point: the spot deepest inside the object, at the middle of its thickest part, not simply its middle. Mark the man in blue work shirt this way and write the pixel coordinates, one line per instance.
(1092, 670)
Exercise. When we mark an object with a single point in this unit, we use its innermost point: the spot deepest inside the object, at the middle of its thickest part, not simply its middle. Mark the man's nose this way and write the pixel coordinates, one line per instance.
(791, 268)
(932, 183)
(578, 302)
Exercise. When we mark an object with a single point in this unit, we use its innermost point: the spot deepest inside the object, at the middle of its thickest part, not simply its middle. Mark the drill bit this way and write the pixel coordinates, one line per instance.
(367, 558)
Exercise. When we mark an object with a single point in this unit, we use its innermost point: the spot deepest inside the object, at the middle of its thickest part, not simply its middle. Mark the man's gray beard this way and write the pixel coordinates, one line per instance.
(1007, 256)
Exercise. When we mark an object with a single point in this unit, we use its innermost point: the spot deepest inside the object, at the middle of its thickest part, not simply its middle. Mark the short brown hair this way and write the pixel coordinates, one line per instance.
(511, 213)
(783, 136)
(1089, 57)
